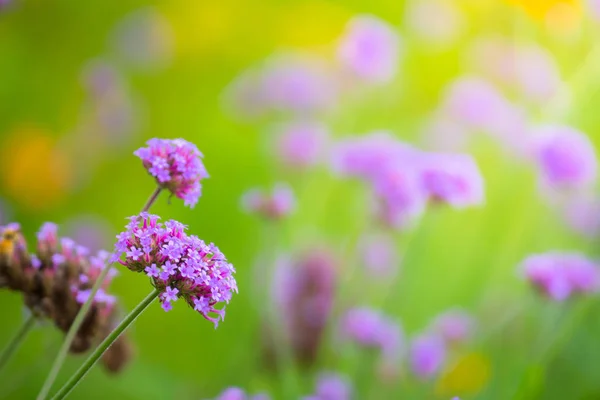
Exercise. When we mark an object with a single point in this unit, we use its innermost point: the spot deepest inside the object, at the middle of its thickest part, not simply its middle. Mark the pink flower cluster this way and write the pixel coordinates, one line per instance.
(275, 205)
(179, 265)
(559, 275)
(176, 165)
(405, 178)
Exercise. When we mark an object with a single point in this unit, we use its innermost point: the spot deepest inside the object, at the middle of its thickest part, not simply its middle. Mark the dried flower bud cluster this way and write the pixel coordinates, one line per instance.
(56, 281)
(176, 165)
(179, 265)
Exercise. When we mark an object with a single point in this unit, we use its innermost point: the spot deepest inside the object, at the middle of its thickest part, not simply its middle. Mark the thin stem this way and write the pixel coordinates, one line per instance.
(79, 318)
(106, 343)
(16, 341)
(152, 199)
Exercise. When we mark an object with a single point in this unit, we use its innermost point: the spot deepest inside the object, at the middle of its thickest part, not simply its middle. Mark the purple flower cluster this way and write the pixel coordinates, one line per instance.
(331, 386)
(371, 328)
(454, 326)
(560, 275)
(275, 205)
(404, 178)
(427, 355)
(370, 48)
(301, 144)
(179, 265)
(565, 157)
(176, 165)
(235, 393)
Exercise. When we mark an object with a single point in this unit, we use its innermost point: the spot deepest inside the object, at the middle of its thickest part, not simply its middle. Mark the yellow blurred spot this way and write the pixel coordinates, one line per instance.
(539, 9)
(564, 17)
(467, 376)
(311, 23)
(34, 171)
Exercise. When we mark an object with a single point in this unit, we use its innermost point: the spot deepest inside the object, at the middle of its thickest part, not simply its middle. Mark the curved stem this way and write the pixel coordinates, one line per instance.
(74, 328)
(16, 341)
(152, 199)
(106, 343)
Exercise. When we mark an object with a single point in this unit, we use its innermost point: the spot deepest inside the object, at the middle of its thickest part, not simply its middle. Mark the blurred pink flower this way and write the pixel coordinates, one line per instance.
(454, 326)
(452, 178)
(565, 157)
(277, 204)
(379, 255)
(332, 386)
(582, 214)
(370, 48)
(559, 275)
(301, 144)
(303, 291)
(427, 355)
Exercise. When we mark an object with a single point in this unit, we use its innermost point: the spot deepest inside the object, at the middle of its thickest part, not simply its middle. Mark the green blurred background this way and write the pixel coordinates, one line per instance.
(56, 165)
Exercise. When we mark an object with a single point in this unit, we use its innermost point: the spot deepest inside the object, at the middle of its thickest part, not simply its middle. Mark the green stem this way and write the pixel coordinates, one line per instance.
(16, 341)
(74, 328)
(106, 343)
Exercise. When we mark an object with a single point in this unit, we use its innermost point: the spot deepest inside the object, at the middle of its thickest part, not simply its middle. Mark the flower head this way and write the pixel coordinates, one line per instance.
(371, 328)
(559, 275)
(427, 355)
(370, 48)
(301, 144)
(176, 165)
(189, 268)
(565, 157)
(454, 326)
(452, 178)
(332, 386)
(275, 205)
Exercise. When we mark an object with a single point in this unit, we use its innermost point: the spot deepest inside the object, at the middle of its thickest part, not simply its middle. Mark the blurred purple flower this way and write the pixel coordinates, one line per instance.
(370, 48)
(454, 326)
(301, 144)
(332, 386)
(299, 84)
(559, 275)
(144, 39)
(203, 278)
(371, 328)
(400, 195)
(275, 205)
(245, 96)
(176, 165)
(427, 355)
(379, 255)
(303, 291)
(594, 7)
(235, 393)
(452, 178)
(582, 214)
(474, 102)
(565, 157)
(367, 156)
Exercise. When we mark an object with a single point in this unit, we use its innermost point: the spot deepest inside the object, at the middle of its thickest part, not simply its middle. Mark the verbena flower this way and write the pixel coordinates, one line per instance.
(56, 280)
(565, 157)
(301, 144)
(176, 165)
(379, 255)
(454, 326)
(303, 291)
(370, 48)
(559, 275)
(235, 393)
(331, 386)
(275, 205)
(452, 178)
(179, 265)
(427, 355)
(370, 328)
